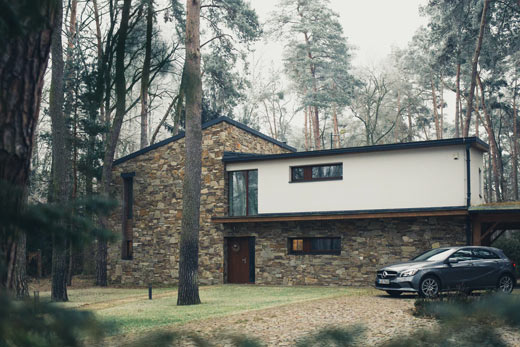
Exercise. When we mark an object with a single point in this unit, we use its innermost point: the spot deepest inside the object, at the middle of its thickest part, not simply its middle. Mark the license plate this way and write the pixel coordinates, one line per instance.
(384, 281)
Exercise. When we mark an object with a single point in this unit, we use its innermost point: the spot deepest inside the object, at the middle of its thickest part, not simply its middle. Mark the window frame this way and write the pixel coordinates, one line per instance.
(306, 243)
(127, 242)
(307, 175)
(246, 179)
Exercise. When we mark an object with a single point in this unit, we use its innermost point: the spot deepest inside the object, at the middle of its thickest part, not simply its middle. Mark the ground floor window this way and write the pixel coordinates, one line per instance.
(314, 245)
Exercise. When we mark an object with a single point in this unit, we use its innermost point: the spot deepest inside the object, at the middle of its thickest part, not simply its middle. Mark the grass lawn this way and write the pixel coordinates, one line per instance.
(130, 311)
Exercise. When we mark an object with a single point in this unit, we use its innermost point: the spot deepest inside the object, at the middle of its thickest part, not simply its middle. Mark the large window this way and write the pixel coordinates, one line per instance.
(243, 193)
(316, 172)
(315, 245)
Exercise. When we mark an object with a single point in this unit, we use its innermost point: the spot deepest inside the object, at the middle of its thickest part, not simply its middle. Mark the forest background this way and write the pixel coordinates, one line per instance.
(121, 70)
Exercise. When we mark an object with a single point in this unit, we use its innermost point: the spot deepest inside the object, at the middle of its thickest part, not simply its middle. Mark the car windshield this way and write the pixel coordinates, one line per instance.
(432, 255)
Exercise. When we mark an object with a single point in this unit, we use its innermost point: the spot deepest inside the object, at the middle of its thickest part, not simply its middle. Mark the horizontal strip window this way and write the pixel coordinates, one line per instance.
(322, 172)
(315, 245)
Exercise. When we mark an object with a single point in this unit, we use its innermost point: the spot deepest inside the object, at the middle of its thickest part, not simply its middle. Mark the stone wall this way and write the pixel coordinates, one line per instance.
(157, 210)
(366, 245)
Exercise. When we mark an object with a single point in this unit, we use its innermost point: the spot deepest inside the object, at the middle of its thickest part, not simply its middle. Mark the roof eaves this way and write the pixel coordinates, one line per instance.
(363, 149)
(204, 126)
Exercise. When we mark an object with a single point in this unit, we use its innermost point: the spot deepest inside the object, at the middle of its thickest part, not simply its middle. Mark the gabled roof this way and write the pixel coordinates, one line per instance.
(204, 126)
(231, 157)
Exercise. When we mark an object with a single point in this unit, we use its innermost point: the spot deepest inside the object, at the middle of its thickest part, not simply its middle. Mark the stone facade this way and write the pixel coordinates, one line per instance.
(157, 207)
(366, 245)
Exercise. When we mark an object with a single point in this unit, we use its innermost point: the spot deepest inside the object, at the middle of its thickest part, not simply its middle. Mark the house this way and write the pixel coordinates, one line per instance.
(272, 215)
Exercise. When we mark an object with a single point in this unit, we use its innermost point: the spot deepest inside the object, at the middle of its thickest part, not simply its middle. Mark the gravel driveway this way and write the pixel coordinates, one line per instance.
(381, 316)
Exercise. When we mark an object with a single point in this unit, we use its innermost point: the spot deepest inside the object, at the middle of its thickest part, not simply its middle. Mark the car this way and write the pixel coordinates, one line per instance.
(450, 268)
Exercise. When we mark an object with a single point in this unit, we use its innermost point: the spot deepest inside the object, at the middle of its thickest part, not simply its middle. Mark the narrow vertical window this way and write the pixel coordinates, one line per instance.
(243, 193)
(128, 202)
(480, 182)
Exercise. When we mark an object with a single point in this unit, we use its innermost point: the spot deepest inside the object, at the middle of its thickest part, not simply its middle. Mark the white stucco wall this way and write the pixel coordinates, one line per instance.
(412, 178)
(476, 163)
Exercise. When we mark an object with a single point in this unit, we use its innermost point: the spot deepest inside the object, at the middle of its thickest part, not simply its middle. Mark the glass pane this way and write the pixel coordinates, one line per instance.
(297, 245)
(326, 171)
(297, 173)
(462, 255)
(252, 195)
(325, 244)
(237, 193)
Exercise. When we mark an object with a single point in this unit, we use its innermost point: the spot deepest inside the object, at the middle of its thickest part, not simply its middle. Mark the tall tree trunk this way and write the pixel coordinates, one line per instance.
(113, 137)
(496, 161)
(305, 111)
(435, 111)
(174, 100)
(410, 124)
(515, 145)
(23, 60)
(188, 293)
(469, 107)
(457, 102)
(316, 127)
(61, 165)
(336, 126)
(72, 88)
(477, 119)
(146, 76)
(442, 109)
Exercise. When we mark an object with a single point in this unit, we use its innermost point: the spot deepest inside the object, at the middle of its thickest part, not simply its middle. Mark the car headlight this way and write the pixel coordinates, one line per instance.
(408, 273)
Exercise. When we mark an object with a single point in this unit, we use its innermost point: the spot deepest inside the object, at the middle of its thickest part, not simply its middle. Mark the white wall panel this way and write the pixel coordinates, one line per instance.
(413, 178)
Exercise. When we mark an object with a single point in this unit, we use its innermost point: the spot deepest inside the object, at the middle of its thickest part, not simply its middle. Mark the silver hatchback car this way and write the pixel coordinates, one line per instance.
(453, 268)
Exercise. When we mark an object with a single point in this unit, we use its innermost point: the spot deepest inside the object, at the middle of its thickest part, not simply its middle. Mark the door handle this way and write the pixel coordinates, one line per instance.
(244, 260)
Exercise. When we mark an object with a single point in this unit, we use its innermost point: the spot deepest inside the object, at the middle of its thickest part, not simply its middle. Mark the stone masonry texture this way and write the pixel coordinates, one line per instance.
(366, 244)
(157, 207)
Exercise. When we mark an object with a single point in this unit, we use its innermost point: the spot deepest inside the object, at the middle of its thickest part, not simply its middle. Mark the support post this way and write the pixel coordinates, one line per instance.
(477, 231)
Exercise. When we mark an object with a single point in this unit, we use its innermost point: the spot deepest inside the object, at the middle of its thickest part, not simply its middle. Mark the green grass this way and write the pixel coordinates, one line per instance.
(130, 311)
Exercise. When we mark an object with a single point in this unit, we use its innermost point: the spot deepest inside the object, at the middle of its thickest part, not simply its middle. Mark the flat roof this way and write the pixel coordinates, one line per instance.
(204, 126)
(496, 207)
(232, 157)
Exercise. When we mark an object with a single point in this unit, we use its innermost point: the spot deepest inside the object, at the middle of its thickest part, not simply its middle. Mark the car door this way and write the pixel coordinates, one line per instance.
(486, 268)
(458, 274)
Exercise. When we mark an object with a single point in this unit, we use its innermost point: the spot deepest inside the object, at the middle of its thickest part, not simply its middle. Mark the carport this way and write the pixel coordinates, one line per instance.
(490, 221)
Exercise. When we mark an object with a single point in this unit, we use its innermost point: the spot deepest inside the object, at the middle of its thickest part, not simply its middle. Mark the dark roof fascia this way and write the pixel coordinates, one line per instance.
(494, 211)
(231, 157)
(360, 213)
(204, 126)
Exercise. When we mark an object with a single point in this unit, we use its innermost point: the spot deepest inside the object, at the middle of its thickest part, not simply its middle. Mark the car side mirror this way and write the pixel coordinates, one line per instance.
(453, 260)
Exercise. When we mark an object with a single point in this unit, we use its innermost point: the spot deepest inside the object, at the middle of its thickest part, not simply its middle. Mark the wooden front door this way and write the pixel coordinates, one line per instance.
(240, 254)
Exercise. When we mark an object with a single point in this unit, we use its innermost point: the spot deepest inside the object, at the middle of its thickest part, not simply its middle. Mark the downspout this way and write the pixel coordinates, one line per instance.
(469, 235)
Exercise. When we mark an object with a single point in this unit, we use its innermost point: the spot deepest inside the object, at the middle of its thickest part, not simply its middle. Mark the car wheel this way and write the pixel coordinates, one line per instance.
(505, 284)
(429, 287)
(394, 293)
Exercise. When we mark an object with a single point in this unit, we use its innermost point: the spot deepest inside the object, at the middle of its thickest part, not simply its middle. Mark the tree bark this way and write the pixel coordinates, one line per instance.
(23, 60)
(113, 137)
(515, 146)
(457, 102)
(152, 141)
(61, 164)
(496, 161)
(306, 127)
(336, 126)
(146, 75)
(188, 293)
(469, 107)
(435, 111)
